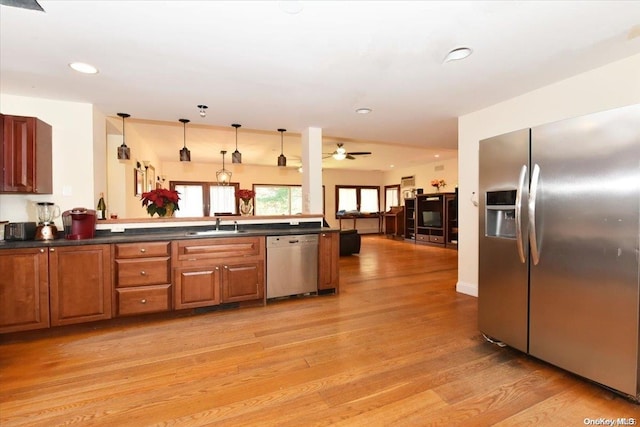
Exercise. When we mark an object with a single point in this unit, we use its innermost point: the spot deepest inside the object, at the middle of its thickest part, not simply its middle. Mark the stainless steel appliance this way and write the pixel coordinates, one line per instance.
(559, 244)
(292, 265)
(20, 231)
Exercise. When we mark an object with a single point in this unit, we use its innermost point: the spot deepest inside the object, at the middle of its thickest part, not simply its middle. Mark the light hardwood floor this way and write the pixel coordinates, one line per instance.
(398, 346)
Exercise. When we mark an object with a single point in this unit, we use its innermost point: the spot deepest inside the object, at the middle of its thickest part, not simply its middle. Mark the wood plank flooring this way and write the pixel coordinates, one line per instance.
(397, 347)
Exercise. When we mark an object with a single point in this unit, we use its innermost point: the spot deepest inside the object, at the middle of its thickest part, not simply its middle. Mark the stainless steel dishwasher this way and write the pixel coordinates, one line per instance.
(292, 265)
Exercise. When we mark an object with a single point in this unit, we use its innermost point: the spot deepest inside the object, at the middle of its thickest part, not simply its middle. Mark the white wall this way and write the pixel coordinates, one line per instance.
(72, 155)
(442, 169)
(333, 177)
(611, 86)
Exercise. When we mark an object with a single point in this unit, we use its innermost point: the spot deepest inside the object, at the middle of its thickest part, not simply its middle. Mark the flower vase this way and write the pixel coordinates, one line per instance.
(169, 210)
(246, 207)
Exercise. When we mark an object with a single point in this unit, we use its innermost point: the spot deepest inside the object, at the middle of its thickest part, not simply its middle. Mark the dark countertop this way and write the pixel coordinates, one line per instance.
(153, 235)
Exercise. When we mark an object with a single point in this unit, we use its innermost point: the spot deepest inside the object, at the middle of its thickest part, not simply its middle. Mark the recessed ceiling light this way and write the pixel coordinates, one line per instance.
(436, 155)
(81, 67)
(392, 166)
(363, 110)
(458, 54)
(292, 7)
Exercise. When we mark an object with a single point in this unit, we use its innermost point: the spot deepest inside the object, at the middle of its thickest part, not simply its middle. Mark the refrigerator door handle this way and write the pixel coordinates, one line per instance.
(519, 241)
(533, 192)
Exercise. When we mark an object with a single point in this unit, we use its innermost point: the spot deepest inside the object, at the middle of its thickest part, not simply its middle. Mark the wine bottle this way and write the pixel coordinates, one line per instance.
(102, 208)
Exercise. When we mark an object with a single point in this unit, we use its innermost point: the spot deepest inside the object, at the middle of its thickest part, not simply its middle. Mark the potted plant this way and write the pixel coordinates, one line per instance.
(438, 183)
(161, 201)
(246, 201)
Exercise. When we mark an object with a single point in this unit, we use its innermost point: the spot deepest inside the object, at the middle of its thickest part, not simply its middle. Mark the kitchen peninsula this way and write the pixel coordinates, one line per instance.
(139, 266)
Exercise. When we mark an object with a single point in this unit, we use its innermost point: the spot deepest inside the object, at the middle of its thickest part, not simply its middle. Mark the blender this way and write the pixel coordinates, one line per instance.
(47, 212)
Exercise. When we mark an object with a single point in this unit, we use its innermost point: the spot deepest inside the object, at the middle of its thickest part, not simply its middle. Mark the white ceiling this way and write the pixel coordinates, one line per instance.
(257, 64)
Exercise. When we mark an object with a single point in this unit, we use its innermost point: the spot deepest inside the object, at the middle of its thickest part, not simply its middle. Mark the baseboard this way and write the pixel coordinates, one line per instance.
(467, 288)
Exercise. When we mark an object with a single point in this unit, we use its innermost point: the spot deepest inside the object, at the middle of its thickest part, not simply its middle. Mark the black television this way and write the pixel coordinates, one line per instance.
(431, 219)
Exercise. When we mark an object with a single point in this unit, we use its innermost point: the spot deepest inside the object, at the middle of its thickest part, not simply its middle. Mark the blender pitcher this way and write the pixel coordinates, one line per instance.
(47, 212)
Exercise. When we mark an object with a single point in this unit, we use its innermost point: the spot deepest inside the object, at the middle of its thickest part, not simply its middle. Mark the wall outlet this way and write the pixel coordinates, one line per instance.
(294, 222)
(117, 229)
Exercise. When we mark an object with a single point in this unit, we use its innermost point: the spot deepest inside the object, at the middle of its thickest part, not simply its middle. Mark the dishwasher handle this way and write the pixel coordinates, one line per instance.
(294, 241)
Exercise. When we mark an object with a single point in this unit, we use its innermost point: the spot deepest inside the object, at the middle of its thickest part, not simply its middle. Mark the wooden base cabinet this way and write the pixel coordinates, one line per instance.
(24, 289)
(243, 281)
(213, 271)
(142, 278)
(197, 287)
(79, 283)
(328, 257)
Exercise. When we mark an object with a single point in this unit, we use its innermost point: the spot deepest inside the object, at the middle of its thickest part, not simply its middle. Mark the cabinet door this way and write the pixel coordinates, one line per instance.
(80, 285)
(197, 287)
(24, 290)
(26, 156)
(243, 281)
(329, 254)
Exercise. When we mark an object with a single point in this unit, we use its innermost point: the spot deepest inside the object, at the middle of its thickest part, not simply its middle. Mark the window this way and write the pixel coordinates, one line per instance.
(363, 199)
(205, 198)
(391, 196)
(278, 199)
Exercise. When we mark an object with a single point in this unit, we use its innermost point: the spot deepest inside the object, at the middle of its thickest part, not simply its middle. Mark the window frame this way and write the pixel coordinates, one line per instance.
(390, 187)
(206, 199)
(358, 189)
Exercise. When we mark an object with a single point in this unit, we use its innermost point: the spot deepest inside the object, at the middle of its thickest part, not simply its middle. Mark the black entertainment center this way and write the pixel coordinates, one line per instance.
(432, 219)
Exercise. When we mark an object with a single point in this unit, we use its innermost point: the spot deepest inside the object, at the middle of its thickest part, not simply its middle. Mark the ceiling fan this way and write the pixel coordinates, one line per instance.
(341, 153)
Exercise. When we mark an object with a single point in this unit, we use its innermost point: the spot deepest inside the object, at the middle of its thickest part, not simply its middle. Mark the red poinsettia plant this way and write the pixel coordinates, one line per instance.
(161, 201)
(245, 194)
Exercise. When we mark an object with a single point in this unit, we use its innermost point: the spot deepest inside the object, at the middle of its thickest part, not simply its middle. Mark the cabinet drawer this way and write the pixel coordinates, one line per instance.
(436, 239)
(145, 299)
(141, 250)
(137, 272)
(422, 237)
(221, 248)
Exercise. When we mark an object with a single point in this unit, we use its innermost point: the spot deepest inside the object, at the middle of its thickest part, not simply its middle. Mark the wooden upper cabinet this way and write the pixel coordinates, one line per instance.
(26, 153)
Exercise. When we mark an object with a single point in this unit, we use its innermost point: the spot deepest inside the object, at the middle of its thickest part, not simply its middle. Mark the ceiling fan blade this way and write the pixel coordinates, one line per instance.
(350, 157)
(23, 4)
(359, 153)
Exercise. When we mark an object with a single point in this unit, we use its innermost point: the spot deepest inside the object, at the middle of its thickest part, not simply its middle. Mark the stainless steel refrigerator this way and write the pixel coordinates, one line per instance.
(559, 244)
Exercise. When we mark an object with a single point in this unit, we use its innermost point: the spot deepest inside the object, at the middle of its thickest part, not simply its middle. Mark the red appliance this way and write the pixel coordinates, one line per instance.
(79, 223)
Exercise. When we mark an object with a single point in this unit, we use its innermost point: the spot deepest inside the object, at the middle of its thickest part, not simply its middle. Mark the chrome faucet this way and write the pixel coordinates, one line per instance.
(217, 223)
(235, 225)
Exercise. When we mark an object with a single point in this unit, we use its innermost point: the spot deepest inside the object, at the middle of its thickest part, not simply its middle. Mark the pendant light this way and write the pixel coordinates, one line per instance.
(124, 153)
(282, 160)
(203, 110)
(185, 154)
(236, 156)
(223, 176)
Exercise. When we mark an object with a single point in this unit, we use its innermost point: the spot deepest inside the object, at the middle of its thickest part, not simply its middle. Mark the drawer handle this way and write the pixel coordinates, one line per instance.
(143, 301)
(143, 273)
(143, 250)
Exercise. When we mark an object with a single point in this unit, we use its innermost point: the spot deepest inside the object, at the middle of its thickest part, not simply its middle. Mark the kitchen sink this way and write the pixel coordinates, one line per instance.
(214, 232)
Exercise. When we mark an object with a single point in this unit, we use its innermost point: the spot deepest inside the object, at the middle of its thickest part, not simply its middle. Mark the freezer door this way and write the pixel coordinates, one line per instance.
(584, 303)
(503, 271)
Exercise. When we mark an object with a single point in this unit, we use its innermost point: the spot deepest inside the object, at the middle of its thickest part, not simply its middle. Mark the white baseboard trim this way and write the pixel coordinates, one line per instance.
(467, 288)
